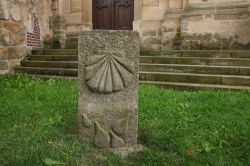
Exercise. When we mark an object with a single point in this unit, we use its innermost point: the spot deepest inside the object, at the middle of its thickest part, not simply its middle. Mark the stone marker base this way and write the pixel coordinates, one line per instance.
(124, 152)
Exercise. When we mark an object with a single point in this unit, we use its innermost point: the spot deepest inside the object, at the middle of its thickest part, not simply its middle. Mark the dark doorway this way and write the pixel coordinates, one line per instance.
(113, 14)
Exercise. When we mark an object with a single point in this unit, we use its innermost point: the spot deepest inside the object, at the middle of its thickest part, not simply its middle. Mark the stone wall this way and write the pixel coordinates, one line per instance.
(151, 23)
(24, 26)
(160, 24)
(195, 24)
(216, 25)
(164, 24)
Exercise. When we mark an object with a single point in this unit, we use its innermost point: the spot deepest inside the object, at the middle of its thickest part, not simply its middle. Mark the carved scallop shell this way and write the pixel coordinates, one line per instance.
(108, 71)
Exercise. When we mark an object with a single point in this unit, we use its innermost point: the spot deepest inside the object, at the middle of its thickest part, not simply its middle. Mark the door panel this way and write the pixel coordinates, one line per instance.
(113, 14)
(123, 14)
(102, 14)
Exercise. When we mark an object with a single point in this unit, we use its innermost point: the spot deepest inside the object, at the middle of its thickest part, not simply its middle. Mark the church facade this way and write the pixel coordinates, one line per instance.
(165, 24)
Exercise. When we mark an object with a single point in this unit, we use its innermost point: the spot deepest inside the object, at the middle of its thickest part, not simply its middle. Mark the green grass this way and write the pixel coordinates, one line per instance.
(38, 126)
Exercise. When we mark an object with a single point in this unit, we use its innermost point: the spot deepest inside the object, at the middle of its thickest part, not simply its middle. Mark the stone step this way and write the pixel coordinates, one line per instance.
(196, 60)
(200, 53)
(71, 43)
(60, 52)
(47, 77)
(52, 58)
(47, 71)
(196, 78)
(51, 64)
(200, 69)
(174, 85)
(192, 86)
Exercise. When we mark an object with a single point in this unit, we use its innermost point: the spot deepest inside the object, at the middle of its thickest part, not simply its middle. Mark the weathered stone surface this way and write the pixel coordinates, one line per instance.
(16, 52)
(116, 141)
(108, 71)
(102, 137)
(3, 53)
(149, 33)
(119, 127)
(12, 64)
(4, 65)
(11, 26)
(150, 3)
(4, 37)
(86, 121)
(15, 12)
(4, 9)
(108, 81)
(150, 41)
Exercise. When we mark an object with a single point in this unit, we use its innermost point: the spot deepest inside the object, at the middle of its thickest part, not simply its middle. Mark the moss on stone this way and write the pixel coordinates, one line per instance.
(152, 41)
(149, 33)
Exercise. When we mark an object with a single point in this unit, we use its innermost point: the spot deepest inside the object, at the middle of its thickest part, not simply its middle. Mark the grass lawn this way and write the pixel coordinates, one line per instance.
(38, 127)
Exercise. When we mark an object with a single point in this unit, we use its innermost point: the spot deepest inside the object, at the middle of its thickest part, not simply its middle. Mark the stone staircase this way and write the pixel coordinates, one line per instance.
(223, 70)
(51, 63)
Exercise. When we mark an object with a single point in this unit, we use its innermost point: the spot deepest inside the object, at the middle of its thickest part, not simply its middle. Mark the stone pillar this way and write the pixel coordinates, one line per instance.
(137, 15)
(58, 25)
(4, 10)
(171, 27)
(87, 14)
(185, 4)
(109, 81)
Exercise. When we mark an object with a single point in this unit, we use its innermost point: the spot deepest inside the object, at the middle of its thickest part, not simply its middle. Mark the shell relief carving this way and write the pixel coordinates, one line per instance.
(108, 71)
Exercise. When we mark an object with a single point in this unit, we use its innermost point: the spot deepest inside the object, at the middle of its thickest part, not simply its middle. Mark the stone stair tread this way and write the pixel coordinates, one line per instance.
(194, 74)
(200, 69)
(47, 71)
(52, 55)
(50, 64)
(202, 58)
(51, 58)
(199, 53)
(60, 51)
(195, 85)
(37, 61)
(189, 65)
(43, 68)
(51, 77)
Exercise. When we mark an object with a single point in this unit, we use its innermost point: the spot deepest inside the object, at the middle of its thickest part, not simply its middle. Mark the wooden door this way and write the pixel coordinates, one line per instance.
(113, 14)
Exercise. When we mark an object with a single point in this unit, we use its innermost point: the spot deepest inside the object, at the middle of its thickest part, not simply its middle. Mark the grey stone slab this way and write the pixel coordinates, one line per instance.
(108, 82)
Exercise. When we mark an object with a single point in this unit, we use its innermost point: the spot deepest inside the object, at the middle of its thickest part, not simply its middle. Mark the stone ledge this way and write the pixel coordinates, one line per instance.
(216, 11)
(220, 5)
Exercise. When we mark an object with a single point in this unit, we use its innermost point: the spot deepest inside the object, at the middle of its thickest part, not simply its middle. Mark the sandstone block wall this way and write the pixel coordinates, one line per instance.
(216, 25)
(195, 24)
(24, 26)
